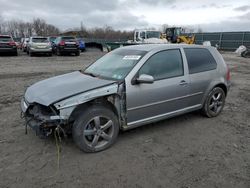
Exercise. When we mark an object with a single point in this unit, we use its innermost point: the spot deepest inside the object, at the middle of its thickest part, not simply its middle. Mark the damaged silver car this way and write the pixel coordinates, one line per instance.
(127, 88)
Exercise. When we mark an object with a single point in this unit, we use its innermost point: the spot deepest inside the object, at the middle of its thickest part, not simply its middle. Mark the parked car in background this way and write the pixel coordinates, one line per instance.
(82, 46)
(24, 44)
(126, 88)
(39, 45)
(52, 39)
(18, 42)
(66, 45)
(8, 45)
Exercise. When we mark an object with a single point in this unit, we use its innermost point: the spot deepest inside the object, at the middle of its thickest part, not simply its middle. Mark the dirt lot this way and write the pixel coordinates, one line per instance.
(186, 151)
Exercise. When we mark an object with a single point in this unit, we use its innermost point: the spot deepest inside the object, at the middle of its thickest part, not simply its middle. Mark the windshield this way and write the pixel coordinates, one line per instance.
(153, 34)
(40, 40)
(115, 65)
(52, 39)
(178, 31)
(5, 39)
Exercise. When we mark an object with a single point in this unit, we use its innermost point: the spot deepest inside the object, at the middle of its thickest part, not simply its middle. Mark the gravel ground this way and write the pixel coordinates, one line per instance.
(186, 151)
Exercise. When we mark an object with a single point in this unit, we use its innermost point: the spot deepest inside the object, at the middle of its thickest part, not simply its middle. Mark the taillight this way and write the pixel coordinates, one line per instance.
(12, 43)
(62, 43)
(228, 77)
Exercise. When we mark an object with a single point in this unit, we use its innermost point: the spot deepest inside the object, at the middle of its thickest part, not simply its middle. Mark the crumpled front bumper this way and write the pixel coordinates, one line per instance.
(40, 123)
(24, 105)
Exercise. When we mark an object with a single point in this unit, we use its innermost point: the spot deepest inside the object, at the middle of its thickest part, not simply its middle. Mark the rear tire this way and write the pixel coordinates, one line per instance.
(95, 129)
(77, 53)
(31, 54)
(214, 103)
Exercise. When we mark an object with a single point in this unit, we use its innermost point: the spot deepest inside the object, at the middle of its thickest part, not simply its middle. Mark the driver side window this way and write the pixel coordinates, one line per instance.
(163, 65)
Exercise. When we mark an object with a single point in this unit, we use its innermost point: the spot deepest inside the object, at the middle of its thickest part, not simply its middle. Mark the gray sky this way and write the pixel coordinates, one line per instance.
(210, 15)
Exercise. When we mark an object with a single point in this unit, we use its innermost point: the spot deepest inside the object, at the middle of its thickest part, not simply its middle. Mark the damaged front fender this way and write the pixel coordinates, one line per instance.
(67, 106)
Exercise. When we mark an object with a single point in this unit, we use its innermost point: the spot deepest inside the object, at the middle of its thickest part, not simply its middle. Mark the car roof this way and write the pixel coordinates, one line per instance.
(68, 36)
(38, 37)
(150, 47)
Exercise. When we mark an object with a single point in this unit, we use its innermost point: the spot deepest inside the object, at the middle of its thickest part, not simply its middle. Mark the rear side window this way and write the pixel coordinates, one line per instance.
(199, 60)
(163, 65)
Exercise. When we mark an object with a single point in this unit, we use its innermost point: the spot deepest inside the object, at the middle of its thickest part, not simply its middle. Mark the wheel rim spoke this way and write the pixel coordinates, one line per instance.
(220, 103)
(215, 108)
(97, 122)
(98, 132)
(89, 132)
(107, 125)
(105, 136)
(211, 105)
(214, 98)
(95, 140)
(218, 96)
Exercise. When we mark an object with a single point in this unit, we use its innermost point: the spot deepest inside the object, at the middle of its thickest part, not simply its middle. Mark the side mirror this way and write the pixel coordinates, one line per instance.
(145, 79)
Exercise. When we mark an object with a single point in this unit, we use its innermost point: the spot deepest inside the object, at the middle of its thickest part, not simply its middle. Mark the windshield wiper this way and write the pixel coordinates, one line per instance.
(90, 74)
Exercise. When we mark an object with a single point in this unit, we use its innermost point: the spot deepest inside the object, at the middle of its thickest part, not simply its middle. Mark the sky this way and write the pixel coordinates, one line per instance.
(209, 15)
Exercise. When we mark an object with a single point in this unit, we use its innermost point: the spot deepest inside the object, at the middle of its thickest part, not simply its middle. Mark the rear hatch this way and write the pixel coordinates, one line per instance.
(40, 43)
(6, 42)
(70, 42)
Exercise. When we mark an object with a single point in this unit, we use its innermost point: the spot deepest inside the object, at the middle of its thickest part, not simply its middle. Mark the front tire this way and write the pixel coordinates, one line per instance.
(95, 129)
(214, 103)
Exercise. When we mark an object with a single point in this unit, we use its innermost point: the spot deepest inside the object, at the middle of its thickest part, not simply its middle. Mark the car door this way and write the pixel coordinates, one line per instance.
(166, 95)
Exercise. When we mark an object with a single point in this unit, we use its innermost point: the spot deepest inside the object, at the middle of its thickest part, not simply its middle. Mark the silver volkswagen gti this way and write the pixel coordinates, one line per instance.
(126, 88)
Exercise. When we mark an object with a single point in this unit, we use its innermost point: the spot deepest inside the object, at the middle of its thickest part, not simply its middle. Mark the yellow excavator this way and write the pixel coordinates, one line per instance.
(175, 35)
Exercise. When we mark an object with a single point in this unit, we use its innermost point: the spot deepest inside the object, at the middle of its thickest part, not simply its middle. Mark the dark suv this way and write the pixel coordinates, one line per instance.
(66, 44)
(7, 45)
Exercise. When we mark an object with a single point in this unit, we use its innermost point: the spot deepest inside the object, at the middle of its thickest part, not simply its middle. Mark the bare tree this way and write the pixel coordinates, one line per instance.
(1, 24)
(83, 31)
(21, 29)
(164, 27)
(12, 28)
(39, 26)
(51, 30)
(199, 30)
(29, 29)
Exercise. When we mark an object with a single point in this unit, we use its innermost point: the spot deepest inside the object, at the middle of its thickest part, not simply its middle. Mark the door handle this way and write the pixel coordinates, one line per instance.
(183, 82)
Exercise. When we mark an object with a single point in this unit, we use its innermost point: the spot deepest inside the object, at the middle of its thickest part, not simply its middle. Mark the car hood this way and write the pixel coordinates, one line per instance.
(54, 89)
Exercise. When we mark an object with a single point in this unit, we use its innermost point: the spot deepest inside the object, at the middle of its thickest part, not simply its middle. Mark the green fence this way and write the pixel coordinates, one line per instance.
(225, 40)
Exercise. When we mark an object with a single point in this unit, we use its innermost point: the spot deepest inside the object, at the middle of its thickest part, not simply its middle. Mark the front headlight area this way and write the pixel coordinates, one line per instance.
(43, 119)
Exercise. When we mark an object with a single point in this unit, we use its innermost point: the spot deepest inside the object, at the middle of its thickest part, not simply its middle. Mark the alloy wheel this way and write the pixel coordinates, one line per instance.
(98, 132)
(216, 102)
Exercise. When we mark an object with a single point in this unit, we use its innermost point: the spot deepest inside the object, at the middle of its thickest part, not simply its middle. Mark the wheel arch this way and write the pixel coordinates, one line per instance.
(222, 86)
(212, 86)
(106, 101)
